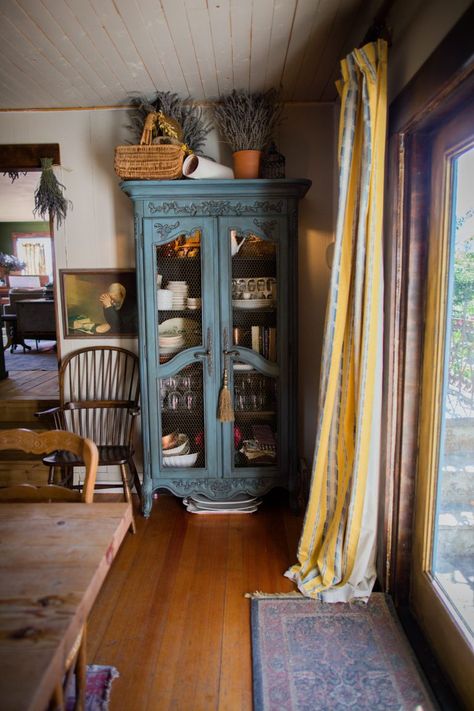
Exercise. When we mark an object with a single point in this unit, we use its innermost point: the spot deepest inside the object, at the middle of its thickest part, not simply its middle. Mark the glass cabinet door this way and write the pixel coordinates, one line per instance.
(183, 347)
(252, 305)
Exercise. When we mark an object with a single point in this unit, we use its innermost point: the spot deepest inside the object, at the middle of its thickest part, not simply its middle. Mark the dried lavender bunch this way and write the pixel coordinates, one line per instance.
(187, 114)
(248, 121)
(49, 199)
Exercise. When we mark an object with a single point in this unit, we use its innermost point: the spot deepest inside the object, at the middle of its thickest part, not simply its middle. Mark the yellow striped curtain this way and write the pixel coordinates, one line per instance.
(336, 554)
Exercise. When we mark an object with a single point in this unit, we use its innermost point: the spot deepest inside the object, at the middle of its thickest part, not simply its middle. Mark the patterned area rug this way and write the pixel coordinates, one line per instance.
(309, 655)
(99, 683)
(43, 358)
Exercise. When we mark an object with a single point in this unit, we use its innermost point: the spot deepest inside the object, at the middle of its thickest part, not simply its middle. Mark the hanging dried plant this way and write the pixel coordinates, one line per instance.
(248, 121)
(49, 199)
(185, 112)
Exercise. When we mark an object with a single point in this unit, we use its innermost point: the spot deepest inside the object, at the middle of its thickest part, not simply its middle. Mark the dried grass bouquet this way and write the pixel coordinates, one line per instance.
(248, 121)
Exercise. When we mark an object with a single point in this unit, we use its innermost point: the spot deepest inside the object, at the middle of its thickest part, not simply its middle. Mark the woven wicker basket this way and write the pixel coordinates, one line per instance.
(149, 162)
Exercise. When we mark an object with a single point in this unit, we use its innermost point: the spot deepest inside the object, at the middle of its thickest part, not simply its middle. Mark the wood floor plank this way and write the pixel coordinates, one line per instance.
(29, 384)
(172, 616)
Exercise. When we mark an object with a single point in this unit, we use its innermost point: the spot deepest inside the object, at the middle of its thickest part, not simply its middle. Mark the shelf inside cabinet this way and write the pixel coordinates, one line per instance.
(254, 414)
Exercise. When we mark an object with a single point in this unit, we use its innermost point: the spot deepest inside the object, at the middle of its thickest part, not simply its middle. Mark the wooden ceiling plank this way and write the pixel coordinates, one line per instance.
(261, 30)
(106, 80)
(200, 28)
(15, 75)
(321, 35)
(117, 30)
(21, 73)
(80, 72)
(159, 33)
(12, 91)
(351, 27)
(177, 20)
(44, 31)
(300, 36)
(283, 15)
(40, 69)
(219, 15)
(137, 26)
(241, 24)
(100, 37)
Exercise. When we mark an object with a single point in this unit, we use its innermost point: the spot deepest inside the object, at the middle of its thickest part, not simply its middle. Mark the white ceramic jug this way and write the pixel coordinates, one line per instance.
(235, 243)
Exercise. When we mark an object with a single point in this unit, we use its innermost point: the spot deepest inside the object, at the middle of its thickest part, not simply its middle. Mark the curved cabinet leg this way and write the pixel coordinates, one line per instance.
(147, 496)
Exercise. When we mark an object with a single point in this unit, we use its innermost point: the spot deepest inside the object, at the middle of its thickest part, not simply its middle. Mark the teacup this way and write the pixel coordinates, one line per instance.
(246, 295)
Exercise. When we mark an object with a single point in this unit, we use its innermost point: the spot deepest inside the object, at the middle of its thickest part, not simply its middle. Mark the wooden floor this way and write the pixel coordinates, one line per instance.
(172, 616)
(29, 384)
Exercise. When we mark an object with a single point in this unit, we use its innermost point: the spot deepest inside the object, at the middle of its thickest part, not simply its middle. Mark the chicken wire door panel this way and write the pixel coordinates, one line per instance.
(180, 268)
(254, 264)
(183, 442)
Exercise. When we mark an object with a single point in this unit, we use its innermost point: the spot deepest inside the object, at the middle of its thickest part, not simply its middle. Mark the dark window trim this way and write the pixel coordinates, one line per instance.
(443, 85)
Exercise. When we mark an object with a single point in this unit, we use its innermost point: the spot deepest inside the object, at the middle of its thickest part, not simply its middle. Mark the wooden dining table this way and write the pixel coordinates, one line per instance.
(53, 561)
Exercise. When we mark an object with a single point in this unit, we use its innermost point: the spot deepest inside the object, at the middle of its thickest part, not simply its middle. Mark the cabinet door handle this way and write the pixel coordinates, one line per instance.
(207, 353)
(226, 352)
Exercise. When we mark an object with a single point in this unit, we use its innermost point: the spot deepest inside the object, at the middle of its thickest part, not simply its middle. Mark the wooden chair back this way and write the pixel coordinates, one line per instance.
(99, 392)
(45, 443)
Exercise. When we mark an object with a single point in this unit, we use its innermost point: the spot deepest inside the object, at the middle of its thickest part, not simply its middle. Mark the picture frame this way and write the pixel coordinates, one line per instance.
(99, 303)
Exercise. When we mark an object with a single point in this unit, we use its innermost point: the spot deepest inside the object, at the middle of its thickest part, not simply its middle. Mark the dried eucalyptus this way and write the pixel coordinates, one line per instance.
(49, 199)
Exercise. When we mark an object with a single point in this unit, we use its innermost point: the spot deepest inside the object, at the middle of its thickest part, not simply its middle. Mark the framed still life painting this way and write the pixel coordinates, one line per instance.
(99, 303)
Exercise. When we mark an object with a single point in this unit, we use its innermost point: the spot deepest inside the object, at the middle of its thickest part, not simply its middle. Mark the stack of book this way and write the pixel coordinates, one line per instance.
(239, 504)
(264, 341)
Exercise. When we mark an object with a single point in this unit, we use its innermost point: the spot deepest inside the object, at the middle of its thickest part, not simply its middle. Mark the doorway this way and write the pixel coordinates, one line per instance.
(27, 290)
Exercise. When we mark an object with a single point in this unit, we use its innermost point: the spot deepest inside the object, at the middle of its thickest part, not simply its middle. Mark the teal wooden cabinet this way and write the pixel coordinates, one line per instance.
(217, 290)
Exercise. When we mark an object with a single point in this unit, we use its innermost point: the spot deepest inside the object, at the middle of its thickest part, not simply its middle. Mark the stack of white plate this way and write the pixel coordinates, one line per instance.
(239, 504)
(180, 294)
(170, 343)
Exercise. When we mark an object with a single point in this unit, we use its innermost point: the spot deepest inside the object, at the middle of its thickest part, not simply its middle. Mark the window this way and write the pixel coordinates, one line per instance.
(36, 250)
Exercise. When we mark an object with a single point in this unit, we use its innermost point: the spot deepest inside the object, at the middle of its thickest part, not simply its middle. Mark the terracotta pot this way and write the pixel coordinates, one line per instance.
(246, 164)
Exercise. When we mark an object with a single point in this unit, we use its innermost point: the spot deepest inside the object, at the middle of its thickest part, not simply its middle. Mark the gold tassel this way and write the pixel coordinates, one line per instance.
(225, 411)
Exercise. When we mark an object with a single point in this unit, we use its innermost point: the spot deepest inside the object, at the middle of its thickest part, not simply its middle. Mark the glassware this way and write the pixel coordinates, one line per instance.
(163, 392)
(174, 400)
(189, 400)
(184, 383)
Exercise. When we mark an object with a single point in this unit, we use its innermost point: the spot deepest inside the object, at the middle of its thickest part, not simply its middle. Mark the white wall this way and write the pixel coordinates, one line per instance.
(98, 231)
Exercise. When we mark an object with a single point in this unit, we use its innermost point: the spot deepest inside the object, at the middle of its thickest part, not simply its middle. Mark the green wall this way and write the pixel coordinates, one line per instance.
(6, 229)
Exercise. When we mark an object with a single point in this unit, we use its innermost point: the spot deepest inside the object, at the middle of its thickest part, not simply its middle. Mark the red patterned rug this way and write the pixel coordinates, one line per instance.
(310, 655)
(99, 683)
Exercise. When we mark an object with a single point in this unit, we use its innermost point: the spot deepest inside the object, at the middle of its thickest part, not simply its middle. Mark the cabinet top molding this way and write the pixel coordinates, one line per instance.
(230, 189)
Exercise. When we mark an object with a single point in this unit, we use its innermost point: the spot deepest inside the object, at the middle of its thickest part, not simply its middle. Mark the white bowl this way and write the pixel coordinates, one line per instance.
(181, 447)
(187, 327)
(183, 460)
